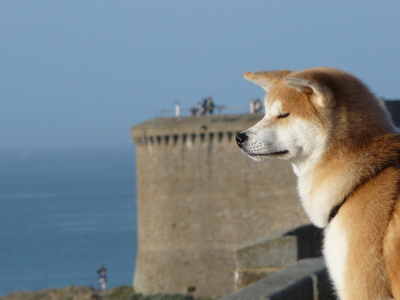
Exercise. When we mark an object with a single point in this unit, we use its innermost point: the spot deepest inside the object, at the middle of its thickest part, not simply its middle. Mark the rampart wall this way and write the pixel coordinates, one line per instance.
(199, 198)
(292, 265)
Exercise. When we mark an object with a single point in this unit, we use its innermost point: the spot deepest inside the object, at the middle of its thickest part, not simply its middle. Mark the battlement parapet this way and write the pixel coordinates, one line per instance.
(188, 131)
(185, 139)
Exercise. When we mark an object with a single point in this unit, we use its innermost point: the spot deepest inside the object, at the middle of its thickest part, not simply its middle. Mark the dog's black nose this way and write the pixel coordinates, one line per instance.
(241, 138)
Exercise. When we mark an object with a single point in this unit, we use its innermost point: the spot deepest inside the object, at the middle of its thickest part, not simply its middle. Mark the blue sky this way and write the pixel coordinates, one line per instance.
(81, 73)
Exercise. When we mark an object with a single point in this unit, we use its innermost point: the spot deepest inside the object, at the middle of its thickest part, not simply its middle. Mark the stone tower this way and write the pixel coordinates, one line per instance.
(199, 198)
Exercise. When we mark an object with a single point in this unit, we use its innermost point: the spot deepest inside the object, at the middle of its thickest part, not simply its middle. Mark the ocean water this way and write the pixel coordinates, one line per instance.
(63, 214)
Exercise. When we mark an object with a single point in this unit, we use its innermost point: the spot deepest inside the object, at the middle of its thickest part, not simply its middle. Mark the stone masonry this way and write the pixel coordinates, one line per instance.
(199, 198)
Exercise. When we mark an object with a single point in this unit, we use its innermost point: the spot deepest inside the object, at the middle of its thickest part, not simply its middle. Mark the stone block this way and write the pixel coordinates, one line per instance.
(274, 252)
(245, 277)
(302, 281)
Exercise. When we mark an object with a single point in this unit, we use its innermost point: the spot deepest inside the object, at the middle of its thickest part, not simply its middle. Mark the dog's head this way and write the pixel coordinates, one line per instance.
(296, 121)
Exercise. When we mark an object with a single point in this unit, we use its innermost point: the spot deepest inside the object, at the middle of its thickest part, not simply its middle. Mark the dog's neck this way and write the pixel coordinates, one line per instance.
(324, 182)
(316, 203)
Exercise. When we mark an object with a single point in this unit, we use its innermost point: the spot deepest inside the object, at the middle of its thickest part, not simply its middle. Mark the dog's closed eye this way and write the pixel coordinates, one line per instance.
(281, 116)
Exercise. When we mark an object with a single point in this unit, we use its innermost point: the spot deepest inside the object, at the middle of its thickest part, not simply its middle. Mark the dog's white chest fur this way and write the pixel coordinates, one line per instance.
(336, 252)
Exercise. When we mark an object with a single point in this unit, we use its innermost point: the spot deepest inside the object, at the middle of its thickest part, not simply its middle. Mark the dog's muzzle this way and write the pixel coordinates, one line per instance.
(241, 138)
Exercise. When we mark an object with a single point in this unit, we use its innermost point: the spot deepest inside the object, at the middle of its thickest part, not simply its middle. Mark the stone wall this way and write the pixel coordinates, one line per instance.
(282, 266)
(276, 252)
(306, 280)
(199, 198)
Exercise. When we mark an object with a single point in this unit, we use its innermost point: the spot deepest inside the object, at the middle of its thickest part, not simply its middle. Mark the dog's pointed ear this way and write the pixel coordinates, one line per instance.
(266, 79)
(322, 94)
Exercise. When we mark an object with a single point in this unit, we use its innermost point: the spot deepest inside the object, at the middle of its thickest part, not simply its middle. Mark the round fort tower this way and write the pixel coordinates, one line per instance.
(199, 198)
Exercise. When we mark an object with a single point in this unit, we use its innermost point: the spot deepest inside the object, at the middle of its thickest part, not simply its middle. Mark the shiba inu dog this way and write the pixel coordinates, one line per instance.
(345, 152)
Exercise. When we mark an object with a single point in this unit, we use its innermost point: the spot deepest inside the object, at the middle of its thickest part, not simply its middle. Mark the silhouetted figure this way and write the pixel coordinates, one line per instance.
(255, 106)
(209, 105)
(102, 272)
(177, 109)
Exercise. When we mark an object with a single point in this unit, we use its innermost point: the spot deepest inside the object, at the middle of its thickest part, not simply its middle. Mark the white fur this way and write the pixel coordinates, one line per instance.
(319, 202)
(274, 110)
(305, 143)
(335, 253)
(300, 137)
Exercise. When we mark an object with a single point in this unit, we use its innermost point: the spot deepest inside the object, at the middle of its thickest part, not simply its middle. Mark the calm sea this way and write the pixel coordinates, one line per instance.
(64, 213)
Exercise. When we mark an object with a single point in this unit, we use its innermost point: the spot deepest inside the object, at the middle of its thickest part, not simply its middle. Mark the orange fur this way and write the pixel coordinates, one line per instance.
(358, 165)
(391, 250)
